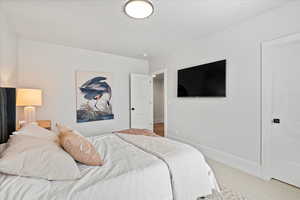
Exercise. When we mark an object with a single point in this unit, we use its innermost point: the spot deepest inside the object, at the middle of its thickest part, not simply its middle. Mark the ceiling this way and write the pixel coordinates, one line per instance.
(101, 24)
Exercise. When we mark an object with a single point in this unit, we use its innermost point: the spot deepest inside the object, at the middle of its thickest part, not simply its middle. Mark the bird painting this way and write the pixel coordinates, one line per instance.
(96, 94)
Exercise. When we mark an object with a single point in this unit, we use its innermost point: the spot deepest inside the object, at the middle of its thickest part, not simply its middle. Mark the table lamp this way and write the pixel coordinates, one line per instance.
(29, 98)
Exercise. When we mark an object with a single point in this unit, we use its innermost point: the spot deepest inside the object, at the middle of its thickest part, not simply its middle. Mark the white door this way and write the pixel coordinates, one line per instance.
(141, 101)
(283, 58)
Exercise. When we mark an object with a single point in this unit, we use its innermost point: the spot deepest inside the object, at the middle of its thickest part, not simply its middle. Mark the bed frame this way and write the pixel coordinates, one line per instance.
(7, 113)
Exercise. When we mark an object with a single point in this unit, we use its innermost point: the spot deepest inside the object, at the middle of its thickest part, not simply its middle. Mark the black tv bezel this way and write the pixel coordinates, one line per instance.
(205, 96)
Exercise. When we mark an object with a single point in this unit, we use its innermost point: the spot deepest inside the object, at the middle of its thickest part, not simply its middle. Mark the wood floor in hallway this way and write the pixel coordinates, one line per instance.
(159, 129)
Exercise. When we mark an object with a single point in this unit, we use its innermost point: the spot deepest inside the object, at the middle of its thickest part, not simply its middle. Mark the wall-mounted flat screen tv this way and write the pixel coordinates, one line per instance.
(208, 80)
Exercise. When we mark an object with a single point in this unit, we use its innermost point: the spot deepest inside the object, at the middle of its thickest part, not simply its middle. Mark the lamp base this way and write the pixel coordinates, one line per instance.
(29, 114)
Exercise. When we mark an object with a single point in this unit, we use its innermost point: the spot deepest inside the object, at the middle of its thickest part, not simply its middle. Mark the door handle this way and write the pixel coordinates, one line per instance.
(276, 121)
(132, 108)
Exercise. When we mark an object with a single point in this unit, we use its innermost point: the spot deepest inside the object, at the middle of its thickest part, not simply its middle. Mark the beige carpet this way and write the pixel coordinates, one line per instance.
(225, 194)
(252, 187)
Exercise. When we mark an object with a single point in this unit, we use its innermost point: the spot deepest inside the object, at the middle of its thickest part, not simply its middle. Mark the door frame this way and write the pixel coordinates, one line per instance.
(266, 104)
(165, 72)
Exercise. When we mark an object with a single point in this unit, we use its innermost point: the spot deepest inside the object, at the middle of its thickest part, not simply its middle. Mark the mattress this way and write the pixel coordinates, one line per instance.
(135, 168)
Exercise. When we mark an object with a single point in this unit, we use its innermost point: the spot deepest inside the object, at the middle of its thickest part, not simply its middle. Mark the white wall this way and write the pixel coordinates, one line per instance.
(158, 97)
(227, 129)
(52, 68)
(8, 53)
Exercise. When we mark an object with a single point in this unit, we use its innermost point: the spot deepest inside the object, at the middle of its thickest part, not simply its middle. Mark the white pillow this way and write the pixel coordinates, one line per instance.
(34, 157)
(2, 147)
(34, 130)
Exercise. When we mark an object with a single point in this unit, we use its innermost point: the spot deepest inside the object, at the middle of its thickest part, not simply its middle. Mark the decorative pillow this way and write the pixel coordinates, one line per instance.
(136, 131)
(78, 147)
(34, 157)
(34, 130)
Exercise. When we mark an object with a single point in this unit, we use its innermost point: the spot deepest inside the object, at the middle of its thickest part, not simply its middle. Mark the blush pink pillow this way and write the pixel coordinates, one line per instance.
(136, 131)
(78, 147)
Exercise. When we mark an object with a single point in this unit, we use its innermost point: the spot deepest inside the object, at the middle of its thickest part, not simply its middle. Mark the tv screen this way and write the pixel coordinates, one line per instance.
(208, 80)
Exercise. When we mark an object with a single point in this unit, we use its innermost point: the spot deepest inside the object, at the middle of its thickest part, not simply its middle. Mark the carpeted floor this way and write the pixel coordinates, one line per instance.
(225, 194)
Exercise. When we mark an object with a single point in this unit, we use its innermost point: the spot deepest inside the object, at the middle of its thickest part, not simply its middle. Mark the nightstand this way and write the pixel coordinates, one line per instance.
(44, 123)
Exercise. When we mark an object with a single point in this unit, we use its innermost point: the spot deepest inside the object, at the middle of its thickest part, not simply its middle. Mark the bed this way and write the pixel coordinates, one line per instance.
(136, 167)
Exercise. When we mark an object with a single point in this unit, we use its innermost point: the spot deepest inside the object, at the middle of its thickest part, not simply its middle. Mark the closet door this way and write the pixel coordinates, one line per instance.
(284, 60)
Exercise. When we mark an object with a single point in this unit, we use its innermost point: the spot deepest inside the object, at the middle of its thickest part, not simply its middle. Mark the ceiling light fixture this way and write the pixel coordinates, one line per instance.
(138, 9)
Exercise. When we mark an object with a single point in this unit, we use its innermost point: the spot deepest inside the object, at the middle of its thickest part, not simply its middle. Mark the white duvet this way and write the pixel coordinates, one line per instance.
(136, 168)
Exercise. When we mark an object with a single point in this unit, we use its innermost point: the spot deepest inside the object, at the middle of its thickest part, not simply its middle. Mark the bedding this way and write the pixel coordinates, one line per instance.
(2, 147)
(136, 167)
(136, 131)
(34, 157)
(34, 130)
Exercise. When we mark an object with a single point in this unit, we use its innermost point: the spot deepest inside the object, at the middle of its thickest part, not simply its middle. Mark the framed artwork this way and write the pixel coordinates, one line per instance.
(93, 96)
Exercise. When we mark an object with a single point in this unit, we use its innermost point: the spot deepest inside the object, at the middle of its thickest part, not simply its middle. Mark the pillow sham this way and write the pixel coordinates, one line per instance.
(34, 157)
(136, 131)
(34, 130)
(2, 147)
(78, 146)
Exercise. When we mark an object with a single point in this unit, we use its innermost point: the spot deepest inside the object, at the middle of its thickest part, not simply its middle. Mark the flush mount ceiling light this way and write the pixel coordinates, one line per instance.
(138, 9)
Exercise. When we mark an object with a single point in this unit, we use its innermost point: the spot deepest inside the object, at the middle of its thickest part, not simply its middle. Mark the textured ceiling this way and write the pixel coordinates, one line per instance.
(101, 24)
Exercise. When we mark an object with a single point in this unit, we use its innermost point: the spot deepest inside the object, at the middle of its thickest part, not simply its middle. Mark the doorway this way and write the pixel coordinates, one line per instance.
(159, 105)
(280, 109)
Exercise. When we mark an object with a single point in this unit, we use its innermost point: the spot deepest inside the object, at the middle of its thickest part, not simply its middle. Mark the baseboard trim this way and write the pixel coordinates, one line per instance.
(233, 161)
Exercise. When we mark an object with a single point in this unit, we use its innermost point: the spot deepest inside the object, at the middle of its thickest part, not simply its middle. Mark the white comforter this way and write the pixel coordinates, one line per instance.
(136, 168)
